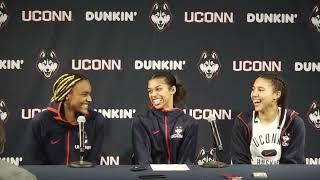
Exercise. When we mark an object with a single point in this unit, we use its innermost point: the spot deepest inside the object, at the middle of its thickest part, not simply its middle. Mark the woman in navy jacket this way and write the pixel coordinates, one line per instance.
(54, 134)
(164, 134)
(271, 134)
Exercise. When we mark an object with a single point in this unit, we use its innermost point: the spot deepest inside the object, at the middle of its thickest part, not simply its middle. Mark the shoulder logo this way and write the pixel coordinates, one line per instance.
(3, 14)
(47, 63)
(315, 18)
(314, 115)
(160, 16)
(4, 113)
(209, 65)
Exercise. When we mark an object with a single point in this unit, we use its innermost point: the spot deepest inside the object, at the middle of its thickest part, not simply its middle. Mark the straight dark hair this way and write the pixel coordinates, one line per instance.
(171, 80)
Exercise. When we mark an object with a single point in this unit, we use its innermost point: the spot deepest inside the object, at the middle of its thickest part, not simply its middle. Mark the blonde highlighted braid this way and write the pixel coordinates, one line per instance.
(64, 84)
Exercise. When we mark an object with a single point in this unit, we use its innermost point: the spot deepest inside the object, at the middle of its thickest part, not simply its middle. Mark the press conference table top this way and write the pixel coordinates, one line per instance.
(122, 172)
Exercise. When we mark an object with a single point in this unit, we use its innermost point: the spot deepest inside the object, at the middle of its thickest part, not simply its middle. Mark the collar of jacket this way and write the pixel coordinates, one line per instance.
(175, 112)
(246, 119)
(56, 107)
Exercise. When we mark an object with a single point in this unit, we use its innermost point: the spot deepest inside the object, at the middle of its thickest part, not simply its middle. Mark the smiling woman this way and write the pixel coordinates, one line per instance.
(164, 134)
(271, 134)
(53, 137)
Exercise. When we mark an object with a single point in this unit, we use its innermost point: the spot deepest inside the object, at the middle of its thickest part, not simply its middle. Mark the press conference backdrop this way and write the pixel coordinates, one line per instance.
(215, 47)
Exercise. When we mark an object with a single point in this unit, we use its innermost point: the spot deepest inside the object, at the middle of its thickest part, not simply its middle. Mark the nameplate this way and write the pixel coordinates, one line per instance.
(169, 167)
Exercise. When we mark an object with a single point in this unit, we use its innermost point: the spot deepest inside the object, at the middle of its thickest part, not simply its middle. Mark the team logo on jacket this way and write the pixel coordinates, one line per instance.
(4, 113)
(205, 155)
(160, 16)
(47, 63)
(285, 139)
(209, 64)
(314, 115)
(315, 18)
(3, 14)
(177, 133)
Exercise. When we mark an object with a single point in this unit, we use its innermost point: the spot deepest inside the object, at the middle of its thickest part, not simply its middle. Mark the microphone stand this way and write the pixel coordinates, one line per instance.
(217, 140)
(216, 134)
(81, 164)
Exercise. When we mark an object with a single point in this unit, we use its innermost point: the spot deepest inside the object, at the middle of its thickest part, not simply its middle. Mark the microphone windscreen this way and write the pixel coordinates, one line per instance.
(81, 119)
(211, 118)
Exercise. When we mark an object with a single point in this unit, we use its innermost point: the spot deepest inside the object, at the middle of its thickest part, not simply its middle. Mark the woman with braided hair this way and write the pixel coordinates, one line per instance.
(53, 137)
(164, 134)
(271, 134)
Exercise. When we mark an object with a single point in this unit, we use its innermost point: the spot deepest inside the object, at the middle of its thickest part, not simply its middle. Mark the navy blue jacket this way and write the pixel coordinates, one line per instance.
(52, 140)
(291, 153)
(164, 137)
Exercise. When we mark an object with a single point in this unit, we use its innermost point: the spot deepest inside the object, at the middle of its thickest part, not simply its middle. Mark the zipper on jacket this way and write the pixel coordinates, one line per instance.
(68, 147)
(167, 137)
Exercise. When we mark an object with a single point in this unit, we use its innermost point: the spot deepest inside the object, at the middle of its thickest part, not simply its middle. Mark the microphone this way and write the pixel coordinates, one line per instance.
(81, 164)
(81, 120)
(213, 124)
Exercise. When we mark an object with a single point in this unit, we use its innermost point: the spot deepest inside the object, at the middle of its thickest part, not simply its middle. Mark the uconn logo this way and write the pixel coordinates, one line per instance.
(160, 16)
(46, 16)
(4, 113)
(47, 63)
(209, 64)
(3, 14)
(96, 64)
(208, 17)
(29, 113)
(110, 160)
(315, 18)
(313, 115)
(221, 114)
(206, 155)
(257, 66)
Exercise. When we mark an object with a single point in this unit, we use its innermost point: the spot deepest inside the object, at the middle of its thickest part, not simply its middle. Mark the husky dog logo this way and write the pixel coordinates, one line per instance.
(314, 115)
(206, 156)
(315, 18)
(47, 63)
(3, 14)
(285, 139)
(209, 65)
(4, 113)
(160, 16)
(178, 130)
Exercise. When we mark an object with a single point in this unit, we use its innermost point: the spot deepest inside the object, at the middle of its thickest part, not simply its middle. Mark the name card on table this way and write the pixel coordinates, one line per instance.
(169, 167)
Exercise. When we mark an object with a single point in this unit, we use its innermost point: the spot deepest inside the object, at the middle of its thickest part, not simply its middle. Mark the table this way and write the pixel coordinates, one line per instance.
(122, 172)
